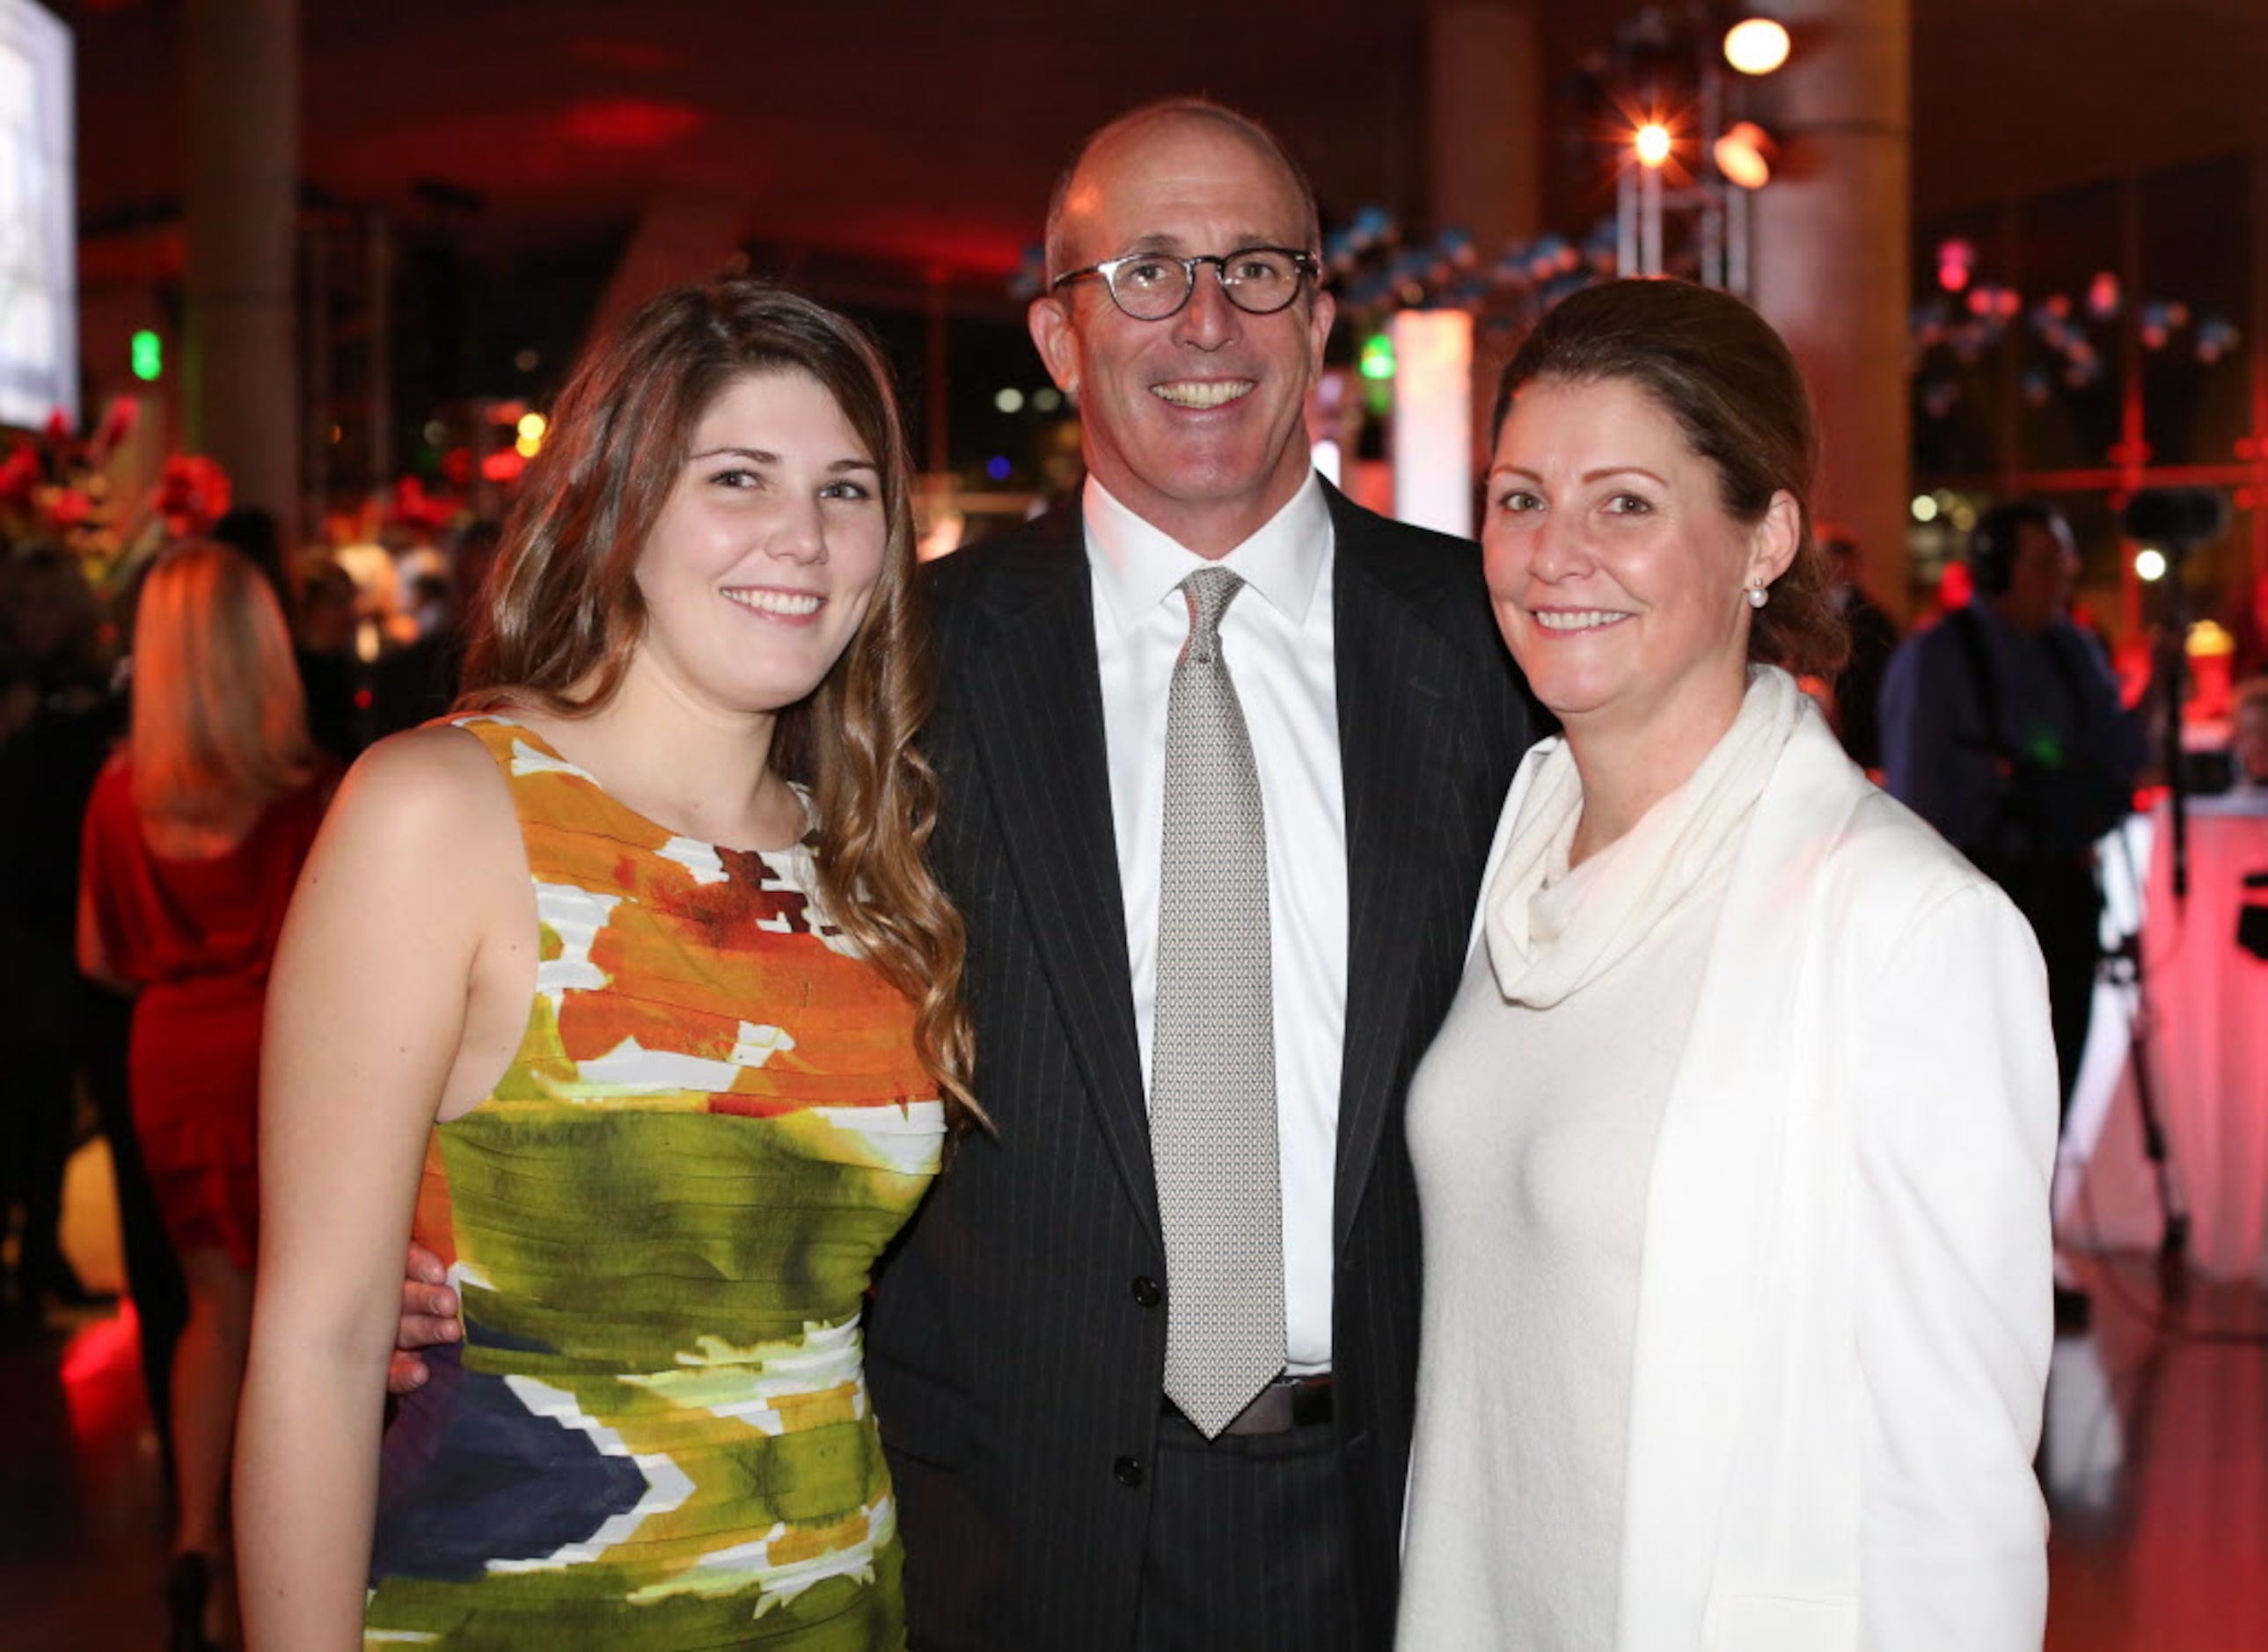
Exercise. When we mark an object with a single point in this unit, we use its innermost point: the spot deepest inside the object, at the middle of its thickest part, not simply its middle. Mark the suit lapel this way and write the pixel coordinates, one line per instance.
(1395, 708)
(1038, 730)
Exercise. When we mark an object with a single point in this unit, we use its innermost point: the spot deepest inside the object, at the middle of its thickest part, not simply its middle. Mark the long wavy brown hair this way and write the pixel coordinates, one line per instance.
(561, 615)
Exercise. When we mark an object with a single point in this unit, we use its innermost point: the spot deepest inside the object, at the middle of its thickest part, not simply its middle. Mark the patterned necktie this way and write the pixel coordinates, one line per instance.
(1213, 1067)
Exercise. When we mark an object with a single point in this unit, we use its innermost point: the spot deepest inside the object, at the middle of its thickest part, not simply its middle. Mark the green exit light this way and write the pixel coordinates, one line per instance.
(1378, 357)
(149, 356)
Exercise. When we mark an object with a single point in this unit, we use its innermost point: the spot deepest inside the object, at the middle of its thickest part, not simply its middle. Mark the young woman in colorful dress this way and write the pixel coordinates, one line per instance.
(632, 983)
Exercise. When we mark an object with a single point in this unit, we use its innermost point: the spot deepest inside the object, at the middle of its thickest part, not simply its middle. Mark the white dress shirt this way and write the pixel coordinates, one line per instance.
(1277, 640)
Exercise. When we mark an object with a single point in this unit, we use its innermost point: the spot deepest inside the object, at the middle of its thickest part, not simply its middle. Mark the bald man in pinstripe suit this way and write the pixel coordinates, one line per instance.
(1050, 1494)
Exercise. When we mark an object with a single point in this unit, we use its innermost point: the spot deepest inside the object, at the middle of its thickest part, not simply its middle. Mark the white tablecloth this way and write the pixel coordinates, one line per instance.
(2208, 1051)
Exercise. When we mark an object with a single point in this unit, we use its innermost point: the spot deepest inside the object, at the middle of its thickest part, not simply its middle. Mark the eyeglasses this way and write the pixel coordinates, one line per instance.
(1151, 286)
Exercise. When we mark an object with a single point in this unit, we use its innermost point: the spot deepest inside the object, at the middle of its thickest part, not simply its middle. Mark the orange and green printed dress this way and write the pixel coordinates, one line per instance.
(661, 1224)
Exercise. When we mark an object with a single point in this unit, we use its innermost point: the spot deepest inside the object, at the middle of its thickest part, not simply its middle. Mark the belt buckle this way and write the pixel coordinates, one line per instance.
(1287, 1403)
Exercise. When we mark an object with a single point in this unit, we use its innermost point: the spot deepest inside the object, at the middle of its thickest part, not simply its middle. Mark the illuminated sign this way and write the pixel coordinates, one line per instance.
(39, 290)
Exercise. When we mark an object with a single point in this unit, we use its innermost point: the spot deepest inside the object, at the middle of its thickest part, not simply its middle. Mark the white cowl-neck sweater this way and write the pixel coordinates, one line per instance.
(1532, 1122)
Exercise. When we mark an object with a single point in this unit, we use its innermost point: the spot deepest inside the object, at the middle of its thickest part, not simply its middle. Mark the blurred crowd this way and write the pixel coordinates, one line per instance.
(375, 635)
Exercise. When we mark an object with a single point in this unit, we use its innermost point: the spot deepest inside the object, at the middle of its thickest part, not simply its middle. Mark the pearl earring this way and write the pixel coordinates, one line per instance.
(1756, 596)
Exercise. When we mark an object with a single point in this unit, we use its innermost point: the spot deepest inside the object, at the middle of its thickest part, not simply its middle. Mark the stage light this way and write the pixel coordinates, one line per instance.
(1925, 508)
(1652, 142)
(1009, 399)
(532, 426)
(1744, 154)
(2149, 566)
(1756, 45)
(149, 354)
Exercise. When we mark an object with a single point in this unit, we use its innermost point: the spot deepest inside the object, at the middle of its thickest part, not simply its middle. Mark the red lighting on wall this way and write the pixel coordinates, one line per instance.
(629, 123)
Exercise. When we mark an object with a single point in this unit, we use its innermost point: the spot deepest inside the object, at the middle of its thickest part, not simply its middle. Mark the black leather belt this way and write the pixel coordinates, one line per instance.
(1285, 1403)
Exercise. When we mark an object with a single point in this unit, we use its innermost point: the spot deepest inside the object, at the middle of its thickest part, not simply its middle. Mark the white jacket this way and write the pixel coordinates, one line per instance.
(1845, 1306)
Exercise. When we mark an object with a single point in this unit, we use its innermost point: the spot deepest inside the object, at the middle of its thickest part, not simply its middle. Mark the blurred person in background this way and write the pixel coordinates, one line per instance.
(417, 682)
(331, 670)
(193, 839)
(2002, 727)
(48, 769)
(256, 533)
(55, 732)
(1874, 638)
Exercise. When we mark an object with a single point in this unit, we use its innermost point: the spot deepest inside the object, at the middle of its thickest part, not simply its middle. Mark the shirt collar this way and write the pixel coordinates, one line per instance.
(1137, 566)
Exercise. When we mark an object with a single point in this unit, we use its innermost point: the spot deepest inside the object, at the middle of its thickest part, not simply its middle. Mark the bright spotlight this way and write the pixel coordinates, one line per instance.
(1653, 143)
(1756, 45)
(1744, 156)
(2149, 566)
(1925, 508)
(533, 425)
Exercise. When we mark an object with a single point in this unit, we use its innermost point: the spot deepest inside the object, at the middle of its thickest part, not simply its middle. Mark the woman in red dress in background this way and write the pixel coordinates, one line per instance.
(195, 837)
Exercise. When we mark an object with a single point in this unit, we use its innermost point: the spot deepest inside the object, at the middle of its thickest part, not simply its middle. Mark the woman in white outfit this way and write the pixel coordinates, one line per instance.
(1734, 1149)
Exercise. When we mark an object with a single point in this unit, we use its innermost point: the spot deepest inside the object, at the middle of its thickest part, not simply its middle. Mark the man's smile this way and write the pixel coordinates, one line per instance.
(1203, 393)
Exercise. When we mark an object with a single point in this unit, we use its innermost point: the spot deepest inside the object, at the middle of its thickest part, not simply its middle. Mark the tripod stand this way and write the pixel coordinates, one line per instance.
(2180, 520)
(2123, 965)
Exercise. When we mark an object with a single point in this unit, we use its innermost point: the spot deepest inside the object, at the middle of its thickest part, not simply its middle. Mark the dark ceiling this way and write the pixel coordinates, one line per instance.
(926, 132)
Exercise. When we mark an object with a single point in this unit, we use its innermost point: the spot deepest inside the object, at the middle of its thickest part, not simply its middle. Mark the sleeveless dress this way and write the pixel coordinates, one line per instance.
(661, 1223)
(198, 937)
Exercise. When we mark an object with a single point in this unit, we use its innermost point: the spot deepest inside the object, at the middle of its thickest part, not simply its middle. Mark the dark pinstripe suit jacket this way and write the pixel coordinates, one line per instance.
(1015, 1362)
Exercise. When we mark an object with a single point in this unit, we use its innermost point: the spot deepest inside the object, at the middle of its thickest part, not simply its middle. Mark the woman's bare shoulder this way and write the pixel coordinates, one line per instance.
(433, 793)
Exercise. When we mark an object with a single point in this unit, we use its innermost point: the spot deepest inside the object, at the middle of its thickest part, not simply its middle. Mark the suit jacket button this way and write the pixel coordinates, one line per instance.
(1147, 1291)
(1127, 1470)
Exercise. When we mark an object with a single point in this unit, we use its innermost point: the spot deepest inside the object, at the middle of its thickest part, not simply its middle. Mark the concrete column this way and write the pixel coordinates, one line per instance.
(690, 228)
(241, 368)
(1830, 258)
(1484, 109)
